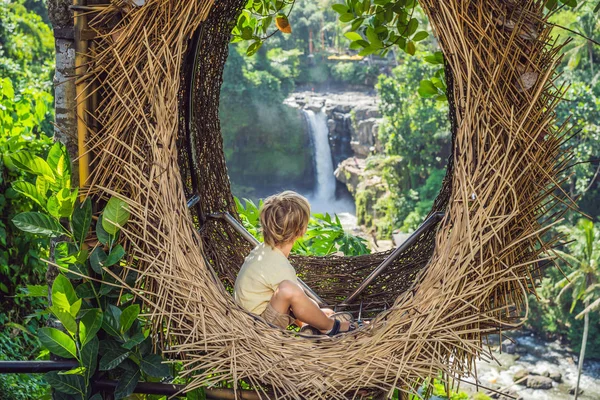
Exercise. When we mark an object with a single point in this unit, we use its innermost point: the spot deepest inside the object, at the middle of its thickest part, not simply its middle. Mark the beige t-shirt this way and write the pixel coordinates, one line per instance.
(262, 272)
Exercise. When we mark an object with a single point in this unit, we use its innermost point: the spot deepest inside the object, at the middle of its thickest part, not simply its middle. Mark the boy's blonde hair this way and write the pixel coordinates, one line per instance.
(284, 217)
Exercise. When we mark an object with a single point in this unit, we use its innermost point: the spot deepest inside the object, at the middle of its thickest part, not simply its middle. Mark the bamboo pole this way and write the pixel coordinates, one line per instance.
(81, 49)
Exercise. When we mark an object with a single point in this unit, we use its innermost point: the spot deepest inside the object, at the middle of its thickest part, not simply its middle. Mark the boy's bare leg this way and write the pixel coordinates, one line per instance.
(290, 295)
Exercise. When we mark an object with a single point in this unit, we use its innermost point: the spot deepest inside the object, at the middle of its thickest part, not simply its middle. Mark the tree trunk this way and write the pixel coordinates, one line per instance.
(586, 326)
(65, 128)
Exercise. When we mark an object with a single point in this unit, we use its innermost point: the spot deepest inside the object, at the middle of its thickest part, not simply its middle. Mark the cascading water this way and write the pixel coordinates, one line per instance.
(319, 132)
(323, 199)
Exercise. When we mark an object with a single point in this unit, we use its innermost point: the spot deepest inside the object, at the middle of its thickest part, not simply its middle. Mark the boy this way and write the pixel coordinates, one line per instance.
(267, 284)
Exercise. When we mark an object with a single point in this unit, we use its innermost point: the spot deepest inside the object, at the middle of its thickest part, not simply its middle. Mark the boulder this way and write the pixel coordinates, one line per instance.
(509, 346)
(539, 382)
(520, 374)
(554, 375)
(572, 390)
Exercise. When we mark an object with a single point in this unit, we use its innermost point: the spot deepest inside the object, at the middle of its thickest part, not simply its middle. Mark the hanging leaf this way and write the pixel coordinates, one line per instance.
(427, 88)
(127, 383)
(283, 24)
(39, 224)
(353, 36)
(69, 384)
(420, 36)
(81, 221)
(89, 356)
(410, 48)
(152, 365)
(129, 315)
(89, 325)
(111, 321)
(58, 160)
(102, 236)
(115, 215)
(28, 190)
(112, 358)
(33, 164)
(253, 48)
(97, 260)
(58, 342)
(63, 285)
(340, 8)
(116, 254)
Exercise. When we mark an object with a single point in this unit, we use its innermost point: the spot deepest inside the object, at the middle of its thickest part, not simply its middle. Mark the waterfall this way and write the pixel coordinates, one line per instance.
(319, 133)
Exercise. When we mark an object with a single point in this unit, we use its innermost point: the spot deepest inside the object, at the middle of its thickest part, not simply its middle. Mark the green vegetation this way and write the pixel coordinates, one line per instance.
(26, 63)
(101, 326)
(324, 236)
(38, 202)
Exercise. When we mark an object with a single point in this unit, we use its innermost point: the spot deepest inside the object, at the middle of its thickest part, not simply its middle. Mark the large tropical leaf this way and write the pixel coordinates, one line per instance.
(58, 342)
(66, 383)
(89, 325)
(33, 164)
(28, 190)
(81, 221)
(38, 223)
(115, 215)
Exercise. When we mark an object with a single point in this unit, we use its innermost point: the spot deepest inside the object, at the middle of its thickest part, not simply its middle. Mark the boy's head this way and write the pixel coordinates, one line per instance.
(284, 217)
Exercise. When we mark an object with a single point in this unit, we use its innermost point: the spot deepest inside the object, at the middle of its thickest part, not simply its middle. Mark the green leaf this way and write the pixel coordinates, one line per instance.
(63, 285)
(134, 341)
(597, 8)
(98, 259)
(85, 291)
(34, 291)
(127, 383)
(33, 164)
(115, 215)
(116, 254)
(39, 224)
(353, 36)
(62, 203)
(69, 384)
(112, 358)
(129, 315)
(347, 17)
(65, 318)
(101, 234)
(42, 186)
(89, 356)
(420, 36)
(152, 365)
(28, 190)
(7, 89)
(427, 88)
(81, 221)
(410, 48)
(58, 342)
(89, 325)
(253, 48)
(111, 321)
(339, 8)
(58, 160)
(412, 26)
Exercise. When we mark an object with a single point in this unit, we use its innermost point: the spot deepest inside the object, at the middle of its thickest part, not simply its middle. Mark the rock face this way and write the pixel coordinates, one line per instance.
(353, 120)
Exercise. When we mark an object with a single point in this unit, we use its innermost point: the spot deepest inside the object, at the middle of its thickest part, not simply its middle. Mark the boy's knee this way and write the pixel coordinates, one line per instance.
(287, 289)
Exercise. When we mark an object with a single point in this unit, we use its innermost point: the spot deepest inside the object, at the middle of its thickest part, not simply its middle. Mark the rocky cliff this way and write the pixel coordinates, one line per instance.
(353, 120)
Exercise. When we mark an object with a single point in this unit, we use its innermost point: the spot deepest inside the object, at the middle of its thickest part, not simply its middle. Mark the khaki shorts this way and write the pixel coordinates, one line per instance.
(276, 318)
